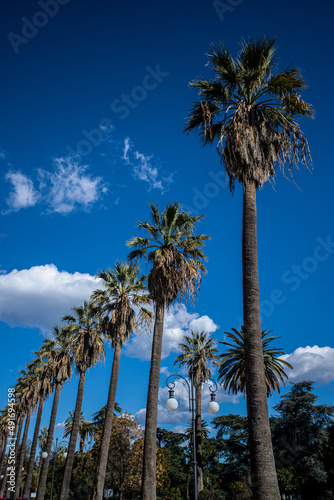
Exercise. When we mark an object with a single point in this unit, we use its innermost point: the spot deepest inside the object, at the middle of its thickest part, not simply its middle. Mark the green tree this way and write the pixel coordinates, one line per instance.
(300, 432)
(250, 111)
(124, 295)
(232, 367)
(176, 256)
(197, 353)
(87, 349)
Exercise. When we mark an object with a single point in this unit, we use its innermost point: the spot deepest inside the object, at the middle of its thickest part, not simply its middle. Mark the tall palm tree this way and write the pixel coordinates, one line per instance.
(87, 349)
(198, 352)
(59, 371)
(27, 392)
(176, 256)
(5, 435)
(251, 111)
(124, 295)
(232, 366)
(43, 389)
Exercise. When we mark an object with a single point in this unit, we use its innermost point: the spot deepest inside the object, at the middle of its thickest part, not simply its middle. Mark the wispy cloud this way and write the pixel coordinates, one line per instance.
(23, 193)
(144, 167)
(66, 188)
(69, 186)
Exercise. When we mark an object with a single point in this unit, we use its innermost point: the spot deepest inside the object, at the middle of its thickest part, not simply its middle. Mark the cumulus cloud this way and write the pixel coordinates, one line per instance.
(311, 363)
(23, 193)
(39, 296)
(69, 186)
(144, 167)
(178, 322)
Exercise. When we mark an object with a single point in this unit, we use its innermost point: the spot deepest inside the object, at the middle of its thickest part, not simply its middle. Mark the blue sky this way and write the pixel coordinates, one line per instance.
(94, 97)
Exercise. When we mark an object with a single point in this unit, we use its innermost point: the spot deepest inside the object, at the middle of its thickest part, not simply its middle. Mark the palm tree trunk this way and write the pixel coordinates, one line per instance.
(21, 457)
(17, 447)
(3, 468)
(105, 440)
(264, 478)
(46, 461)
(198, 430)
(148, 490)
(3, 454)
(73, 439)
(27, 485)
(12, 441)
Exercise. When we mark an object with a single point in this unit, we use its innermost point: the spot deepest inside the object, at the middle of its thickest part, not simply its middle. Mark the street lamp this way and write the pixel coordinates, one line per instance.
(56, 449)
(172, 405)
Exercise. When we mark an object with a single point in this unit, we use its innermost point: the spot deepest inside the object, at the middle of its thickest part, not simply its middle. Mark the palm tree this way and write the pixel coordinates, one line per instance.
(251, 111)
(59, 371)
(123, 296)
(86, 428)
(232, 367)
(87, 349)
(27, 393)
(43, 389)
(176, 257)
(198, 351)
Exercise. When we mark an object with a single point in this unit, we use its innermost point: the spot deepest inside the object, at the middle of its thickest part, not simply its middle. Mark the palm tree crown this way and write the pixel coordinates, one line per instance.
(123, 296)
(173, 250)
(86, 345)
(197, 352)
(250, 110)
(232, 369)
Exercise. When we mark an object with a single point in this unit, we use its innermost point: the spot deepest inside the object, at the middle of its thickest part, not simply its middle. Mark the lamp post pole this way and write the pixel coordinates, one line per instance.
(56, 450)
(172, 404)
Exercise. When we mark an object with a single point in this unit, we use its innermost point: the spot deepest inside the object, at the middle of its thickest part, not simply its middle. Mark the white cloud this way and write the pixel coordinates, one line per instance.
(144, 167)
(311, 363)
(69, 186)
(39, 296)
(178, 322)
(61, 425)
(3, 154)
(23, 193)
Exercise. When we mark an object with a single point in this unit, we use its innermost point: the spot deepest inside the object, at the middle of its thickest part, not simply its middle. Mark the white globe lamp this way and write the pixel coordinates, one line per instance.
(171, 403)
(213, 406)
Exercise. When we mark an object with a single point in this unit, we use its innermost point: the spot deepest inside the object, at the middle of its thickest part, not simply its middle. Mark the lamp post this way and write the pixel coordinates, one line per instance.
(56, 449)
(172, 404)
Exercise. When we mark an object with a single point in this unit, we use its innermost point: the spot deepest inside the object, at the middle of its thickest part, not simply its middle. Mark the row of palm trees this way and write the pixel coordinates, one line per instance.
(198, 352)
(250, 111)
(110, 312)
